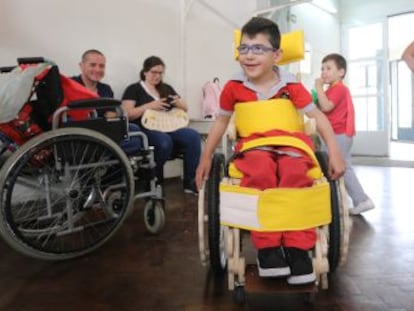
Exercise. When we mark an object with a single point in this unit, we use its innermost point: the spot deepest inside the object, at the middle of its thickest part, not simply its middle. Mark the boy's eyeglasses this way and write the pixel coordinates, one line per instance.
(257, 49)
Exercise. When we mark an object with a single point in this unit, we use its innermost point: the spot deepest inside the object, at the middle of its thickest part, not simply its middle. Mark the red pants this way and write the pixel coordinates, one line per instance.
(264, 169)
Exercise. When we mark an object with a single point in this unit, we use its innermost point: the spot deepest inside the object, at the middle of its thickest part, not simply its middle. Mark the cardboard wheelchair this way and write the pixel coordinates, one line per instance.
(227, 211)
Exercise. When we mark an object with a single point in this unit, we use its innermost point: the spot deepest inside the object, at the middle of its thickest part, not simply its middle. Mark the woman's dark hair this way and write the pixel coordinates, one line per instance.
(261, 25)
(149, 63)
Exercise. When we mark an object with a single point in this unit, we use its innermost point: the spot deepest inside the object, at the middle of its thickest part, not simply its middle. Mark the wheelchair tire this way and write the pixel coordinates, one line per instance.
(335, 230)
(154, 215)
(64, 193)
(239, 295)
(217, 254)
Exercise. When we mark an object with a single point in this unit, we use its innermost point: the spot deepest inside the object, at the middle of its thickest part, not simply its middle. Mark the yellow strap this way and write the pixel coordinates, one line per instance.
(279, 209)
(285, 141)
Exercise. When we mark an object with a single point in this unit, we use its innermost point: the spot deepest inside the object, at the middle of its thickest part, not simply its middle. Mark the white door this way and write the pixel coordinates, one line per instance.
(402, 79)
(367, 80)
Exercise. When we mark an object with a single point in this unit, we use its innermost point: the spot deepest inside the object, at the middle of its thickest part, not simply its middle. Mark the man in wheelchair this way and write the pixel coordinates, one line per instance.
(262, 97)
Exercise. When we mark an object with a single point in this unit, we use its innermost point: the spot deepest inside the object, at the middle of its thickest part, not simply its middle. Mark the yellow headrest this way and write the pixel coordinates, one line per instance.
(291, 43)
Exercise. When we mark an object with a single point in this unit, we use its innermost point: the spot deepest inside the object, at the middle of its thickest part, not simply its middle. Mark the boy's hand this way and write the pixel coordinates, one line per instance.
(336, 166)
(202, 172)
(319, 83)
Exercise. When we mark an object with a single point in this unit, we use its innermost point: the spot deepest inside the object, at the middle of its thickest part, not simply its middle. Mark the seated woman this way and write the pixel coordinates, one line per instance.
(152, 93)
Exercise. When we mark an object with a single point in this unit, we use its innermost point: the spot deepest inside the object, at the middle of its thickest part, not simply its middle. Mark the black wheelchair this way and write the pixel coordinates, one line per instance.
(66, 185)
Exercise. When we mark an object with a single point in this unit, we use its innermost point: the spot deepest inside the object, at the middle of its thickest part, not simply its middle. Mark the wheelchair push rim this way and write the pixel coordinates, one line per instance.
(211, 217)
(64, 193)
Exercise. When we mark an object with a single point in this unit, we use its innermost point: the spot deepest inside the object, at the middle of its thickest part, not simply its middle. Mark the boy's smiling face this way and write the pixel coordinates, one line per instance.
(258, 67)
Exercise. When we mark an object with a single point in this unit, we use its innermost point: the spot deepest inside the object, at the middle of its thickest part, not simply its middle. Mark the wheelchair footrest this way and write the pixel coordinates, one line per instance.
(256, 284)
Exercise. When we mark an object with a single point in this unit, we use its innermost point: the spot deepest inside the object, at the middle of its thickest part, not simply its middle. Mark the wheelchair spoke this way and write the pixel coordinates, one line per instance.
(68, 201)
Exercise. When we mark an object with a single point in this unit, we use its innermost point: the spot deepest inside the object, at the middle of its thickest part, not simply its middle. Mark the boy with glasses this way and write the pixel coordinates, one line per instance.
(280, 254)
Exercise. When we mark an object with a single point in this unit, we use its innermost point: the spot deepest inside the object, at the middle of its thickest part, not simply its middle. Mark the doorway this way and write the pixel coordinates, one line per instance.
(366, 78)
(401, 79)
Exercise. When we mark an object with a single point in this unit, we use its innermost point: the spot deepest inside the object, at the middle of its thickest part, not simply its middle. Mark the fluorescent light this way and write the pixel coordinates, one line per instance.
(284, 4)
(325, 5)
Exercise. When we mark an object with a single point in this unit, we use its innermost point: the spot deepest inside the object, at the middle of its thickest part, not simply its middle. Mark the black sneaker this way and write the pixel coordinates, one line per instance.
(191, 188)
(271, 262)
(301, 267)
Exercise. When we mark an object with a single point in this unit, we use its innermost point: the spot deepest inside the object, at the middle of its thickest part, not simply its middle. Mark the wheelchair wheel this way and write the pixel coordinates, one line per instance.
(154, 215)
(216, 242)
(239, 295)
(64, 193)
(334, 247)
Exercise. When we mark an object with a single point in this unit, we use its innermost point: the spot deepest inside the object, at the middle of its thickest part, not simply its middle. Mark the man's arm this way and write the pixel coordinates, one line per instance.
(408, 56)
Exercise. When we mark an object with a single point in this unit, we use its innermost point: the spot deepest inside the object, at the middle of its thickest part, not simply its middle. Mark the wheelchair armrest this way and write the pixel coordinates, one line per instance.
(96, 107)
(108, 107)
(95, 103)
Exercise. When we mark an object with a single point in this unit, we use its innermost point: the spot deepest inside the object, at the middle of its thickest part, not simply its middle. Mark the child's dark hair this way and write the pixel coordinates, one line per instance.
(265, 26)
(338, 59)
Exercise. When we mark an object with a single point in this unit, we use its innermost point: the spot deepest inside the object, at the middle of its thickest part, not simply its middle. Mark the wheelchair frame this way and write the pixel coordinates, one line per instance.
(66, 191)
(220, 246)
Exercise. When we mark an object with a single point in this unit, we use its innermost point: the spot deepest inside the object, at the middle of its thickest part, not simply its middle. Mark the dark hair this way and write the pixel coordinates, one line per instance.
(338, 59)
(91, 51)
(149, 63)
(264, 26)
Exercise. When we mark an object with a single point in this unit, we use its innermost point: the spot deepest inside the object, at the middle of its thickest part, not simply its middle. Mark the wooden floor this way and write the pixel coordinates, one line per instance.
(139, 271)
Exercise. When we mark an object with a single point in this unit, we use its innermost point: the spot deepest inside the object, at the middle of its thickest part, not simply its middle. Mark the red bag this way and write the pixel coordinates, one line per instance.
(22, 128)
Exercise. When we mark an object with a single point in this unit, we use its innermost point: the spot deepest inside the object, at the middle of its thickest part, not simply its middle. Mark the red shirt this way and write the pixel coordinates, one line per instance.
(236, 92)
(342, 116)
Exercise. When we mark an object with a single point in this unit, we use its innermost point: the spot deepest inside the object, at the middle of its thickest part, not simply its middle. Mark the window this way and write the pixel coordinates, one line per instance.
(365, 76)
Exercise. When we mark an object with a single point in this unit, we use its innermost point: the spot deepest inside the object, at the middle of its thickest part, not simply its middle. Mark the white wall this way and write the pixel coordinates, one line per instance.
(322, 31)
(196, 44)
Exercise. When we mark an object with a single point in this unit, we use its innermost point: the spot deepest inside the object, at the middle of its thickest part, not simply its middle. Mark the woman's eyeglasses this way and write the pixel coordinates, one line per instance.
(257, 49)
(155, 72)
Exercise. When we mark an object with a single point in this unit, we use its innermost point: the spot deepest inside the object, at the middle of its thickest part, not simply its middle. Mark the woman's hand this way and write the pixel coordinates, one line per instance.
(178, 102)
(159, 104)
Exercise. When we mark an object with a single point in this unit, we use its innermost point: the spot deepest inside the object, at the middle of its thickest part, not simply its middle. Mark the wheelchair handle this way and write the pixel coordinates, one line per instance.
(30, 60)
(7, 69)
